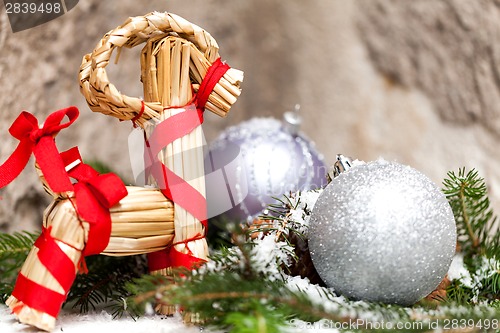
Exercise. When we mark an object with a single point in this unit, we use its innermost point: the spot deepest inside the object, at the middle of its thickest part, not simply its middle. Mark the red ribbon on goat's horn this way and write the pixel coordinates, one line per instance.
(214, 73)
(95, 195)
(39, 140)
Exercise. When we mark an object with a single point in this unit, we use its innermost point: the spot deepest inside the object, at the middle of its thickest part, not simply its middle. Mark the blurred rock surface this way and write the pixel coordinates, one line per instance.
(412, 81)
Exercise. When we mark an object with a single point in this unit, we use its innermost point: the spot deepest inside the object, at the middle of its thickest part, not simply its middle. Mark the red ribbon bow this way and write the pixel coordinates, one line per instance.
(40, 141)
(95, 195)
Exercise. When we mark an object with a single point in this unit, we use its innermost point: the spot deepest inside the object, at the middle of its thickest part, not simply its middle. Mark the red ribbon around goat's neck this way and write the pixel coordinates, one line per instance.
(95, 194)
(172, 186)
(40, 141)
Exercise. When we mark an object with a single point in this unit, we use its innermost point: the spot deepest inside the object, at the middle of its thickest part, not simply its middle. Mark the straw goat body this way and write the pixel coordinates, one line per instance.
(175, 60)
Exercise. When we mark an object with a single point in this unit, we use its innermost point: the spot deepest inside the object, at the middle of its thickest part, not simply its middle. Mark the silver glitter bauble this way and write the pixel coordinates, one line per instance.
(261, 159)
(382, 232)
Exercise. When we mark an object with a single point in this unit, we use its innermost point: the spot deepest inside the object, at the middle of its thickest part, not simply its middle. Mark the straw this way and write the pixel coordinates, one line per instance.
(142, 222)
(174, 62)
(62, 219)
(166, 67)
(102, 96)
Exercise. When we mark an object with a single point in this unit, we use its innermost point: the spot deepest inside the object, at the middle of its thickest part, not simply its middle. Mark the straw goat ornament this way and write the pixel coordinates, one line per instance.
(92, 213)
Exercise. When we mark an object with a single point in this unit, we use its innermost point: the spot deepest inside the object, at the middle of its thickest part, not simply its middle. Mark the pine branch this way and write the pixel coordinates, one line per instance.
(14, 249)
(104, 285)
(19, 243)
(269, 306)
(468, 198)
(480, 245)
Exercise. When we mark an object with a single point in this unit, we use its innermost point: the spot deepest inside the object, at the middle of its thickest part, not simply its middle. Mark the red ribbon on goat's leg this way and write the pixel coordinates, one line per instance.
(59, 265)
(38, 297)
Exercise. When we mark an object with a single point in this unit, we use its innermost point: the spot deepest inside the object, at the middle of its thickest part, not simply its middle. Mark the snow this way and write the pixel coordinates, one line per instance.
(303, 203)
(268, 255)
(100, 322)
(332, 303)
(458, 271)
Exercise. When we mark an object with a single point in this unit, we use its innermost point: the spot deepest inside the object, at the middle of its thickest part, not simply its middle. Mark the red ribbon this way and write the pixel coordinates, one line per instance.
(95, 194)
(39, 140)
(214, 73)
(55, 260)
(60, 267)
(170, 257)
(139, 115)
(172, 186)
(37, 296)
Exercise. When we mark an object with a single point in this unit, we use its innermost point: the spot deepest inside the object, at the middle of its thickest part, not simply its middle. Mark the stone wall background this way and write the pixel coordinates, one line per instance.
(412, 81)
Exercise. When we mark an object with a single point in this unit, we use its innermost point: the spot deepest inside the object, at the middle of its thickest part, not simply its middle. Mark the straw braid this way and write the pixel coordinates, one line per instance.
(102, 96)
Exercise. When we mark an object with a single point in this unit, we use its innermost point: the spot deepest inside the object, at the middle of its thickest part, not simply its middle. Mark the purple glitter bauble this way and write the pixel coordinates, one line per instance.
(257, 160)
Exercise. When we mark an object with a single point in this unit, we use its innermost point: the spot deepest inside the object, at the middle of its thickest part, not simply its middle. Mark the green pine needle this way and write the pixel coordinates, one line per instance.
(477, 236)
(104, 285)
(14, 249)
(468, 197)
(19, 243)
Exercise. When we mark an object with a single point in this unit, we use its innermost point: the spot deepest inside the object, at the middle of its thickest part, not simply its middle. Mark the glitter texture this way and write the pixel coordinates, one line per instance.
(382, 232)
